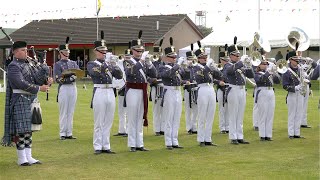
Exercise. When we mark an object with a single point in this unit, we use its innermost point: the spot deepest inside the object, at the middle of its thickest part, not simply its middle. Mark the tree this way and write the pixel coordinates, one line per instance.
(205, 30)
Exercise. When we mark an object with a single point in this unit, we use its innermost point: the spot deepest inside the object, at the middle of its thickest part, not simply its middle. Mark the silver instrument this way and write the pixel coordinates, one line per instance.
(297, 35)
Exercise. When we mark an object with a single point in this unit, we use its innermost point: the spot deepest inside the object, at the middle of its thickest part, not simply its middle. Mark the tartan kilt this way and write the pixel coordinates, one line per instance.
(21, 114)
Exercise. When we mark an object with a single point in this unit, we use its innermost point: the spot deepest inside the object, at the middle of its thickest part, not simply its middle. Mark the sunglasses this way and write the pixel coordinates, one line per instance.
(173, 57)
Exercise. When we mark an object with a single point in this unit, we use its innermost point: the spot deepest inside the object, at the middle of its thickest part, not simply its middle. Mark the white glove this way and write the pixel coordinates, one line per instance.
(209, 62)
(297, 88)
(148, 59)
(180, 60)
(73, 78)
(144, 54)
(108, 56)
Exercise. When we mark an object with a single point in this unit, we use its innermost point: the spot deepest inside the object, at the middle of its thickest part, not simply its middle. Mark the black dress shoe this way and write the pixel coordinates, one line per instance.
(133, 149)
(70, 137)
(263, 139)
(301, 137)
(268, 139)
(25, 164)
(291, 137)
(202, 144)
(194, 132)
(234, 141)
(169, 147)
(190, 131)
(305, 126)
(241, 141)
(37, 162)
(177, 147)
(125, 135)
(161, 132)
(62, 138)
(108, 151)
(141, 149)
(97, 152)
(158, 134)
(227, 132)
(120, 134)
(255, 128)
(210, 144)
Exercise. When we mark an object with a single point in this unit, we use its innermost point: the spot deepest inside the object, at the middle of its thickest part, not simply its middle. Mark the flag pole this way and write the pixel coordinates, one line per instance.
(97, 19)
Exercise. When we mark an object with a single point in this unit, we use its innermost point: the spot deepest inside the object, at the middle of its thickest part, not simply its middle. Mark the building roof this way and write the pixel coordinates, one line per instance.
(83, 31)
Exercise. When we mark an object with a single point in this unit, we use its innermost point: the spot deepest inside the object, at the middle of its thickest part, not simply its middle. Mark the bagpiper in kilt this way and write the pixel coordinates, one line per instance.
(25, 79)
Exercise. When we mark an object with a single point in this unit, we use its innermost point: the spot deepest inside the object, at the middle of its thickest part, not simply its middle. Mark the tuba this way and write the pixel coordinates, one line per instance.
(258, 42)
(297, 35)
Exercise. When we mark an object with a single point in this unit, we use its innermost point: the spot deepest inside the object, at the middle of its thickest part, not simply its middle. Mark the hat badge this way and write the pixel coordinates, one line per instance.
(139, 41)
(172, 48)
(103, 42)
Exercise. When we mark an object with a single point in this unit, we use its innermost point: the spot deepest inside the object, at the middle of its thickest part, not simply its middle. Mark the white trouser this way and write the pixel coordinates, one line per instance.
(206, 109)
(67, 101)
(235, 111)
(122, 115)
(223, 121)
(103, 108)
(158, 122)
(134, 99)
(304, 120)
(266, 105)
(190, 113)
(295, 105)
(255, 112)
(172, 107)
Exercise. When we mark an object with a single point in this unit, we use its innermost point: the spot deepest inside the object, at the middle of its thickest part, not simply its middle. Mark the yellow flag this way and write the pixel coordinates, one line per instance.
(99, 7)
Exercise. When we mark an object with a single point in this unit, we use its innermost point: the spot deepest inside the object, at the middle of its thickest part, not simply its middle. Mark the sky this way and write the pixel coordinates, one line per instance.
(240, 14)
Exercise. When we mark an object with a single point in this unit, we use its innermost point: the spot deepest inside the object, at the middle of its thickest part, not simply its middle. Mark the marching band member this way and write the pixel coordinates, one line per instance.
(156, 90)
(67, 91)
(136, 96)
(265, 98)
(103, 100)
(191, 110)
(205, 74)
(25, 80)
(291, 81)
(171, 74)
(235, 73)
(221, 94)
(255, 112)
(122, 112)
(305, 66)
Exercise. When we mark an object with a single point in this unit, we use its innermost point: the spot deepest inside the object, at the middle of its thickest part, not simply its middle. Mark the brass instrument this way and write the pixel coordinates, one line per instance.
(282, 66)
(258, 42)
(297, 35)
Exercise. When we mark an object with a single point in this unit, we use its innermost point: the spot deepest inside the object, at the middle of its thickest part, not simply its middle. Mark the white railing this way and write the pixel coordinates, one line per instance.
(4, 87)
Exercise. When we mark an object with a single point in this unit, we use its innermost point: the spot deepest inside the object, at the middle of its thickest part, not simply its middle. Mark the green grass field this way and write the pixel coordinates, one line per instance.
(74, 159)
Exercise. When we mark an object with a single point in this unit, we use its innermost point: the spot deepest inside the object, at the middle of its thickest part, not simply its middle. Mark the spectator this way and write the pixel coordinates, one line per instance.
(278, 56)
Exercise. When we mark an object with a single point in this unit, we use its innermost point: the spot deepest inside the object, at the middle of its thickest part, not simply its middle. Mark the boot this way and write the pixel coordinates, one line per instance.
(30, 159)
(22, 159)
